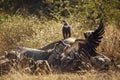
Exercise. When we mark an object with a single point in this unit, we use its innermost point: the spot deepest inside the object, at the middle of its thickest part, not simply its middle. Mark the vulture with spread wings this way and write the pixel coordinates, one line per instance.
(86, 47)
(89, 45)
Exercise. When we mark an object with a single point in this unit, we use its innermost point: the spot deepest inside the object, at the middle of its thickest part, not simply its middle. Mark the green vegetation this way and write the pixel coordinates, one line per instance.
(87, 11)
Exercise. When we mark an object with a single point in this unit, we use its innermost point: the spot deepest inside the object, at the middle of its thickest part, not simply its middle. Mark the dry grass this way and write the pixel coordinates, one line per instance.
(93, 75)
(32, 32)
(110, 44)
(45, 32)
(36, 33)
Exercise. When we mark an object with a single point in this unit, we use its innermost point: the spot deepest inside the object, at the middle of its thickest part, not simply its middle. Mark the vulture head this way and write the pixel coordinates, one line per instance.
(88, 33)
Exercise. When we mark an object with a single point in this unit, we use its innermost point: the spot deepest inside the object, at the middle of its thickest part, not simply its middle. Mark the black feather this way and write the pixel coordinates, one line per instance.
(93, 41)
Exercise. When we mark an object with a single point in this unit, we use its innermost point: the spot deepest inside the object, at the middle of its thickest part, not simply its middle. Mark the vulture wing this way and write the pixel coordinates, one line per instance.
(95, 38)
(92, 41)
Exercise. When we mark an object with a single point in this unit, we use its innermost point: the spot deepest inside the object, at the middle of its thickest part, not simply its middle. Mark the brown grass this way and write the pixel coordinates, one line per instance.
(93, 75)
(110, 44)
(37, 33)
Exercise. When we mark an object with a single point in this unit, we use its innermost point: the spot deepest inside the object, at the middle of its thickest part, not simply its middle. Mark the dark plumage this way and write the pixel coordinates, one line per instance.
(86, 47)
(90, 44)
